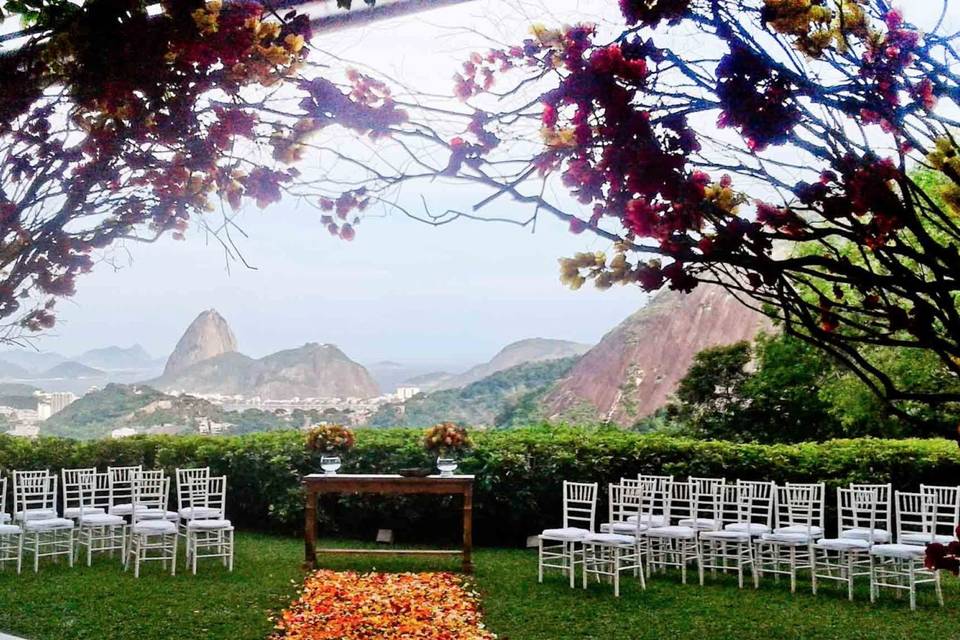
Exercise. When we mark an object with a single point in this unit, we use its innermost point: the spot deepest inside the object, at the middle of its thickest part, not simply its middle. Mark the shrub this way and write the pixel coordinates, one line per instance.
(518, 472)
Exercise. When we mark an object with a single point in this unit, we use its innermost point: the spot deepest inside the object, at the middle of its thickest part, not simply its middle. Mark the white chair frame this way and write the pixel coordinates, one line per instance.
(151, 539)
(211, 537)
(944, 506)
(97, 530)
(846, 557)
(44, 534)
(789, 548)
(11, 535)
(73, 484)
(560, 550)
(611, 553)
(121, 482)
(676, 545)
(900, 567)
(723, 549)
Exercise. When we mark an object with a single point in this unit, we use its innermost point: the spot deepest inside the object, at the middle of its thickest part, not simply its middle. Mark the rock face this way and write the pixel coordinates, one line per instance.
(207, 336)
(635, 368)
(514, 354)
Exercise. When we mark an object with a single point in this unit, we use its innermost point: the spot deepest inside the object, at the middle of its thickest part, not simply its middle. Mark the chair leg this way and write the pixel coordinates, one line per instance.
(850, 576)
(173, 560)
(539, 558)
(913, 587)
(230, 538)
(873, 580)
(813, 570)
(572, 550)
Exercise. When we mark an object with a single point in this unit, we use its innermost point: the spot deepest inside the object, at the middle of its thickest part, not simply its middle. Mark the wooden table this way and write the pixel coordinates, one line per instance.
(317, 483)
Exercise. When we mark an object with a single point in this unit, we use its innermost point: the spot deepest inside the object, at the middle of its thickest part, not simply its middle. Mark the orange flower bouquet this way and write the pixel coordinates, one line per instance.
(332, 440)
(446, 440)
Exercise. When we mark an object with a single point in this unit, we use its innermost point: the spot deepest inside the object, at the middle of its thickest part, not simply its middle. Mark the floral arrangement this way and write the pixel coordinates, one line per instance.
(344, 605)
(944, 557)
(446, 437)
(330, 438)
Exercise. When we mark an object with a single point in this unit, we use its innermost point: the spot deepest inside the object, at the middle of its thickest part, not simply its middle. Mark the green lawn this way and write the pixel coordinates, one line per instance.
(103, 603)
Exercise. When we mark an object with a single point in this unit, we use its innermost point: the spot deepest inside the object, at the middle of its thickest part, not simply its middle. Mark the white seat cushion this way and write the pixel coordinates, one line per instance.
(50, 524)
(905, 551)
(703, 524)
(925, 538)
(101, 520)
(157, 514)
(35, 514)
(626, 528)
(610, 538)
(816, 532)
(154, 527)
(122, 509)
(4, 517)
(725, 535)
(74, 512)
(208, 525)
(753, 528)
(199, 512)
(652, 520)
(787, 538)
(9, 529)
(878, 535)
(672, 532)
(842, 544)
(565, 533)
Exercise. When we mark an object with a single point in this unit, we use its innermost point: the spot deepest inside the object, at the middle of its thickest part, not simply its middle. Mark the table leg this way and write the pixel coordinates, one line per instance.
(468, 530)
(310, 532)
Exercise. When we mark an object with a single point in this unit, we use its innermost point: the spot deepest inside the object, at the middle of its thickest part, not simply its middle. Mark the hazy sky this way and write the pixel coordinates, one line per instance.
(400, 290)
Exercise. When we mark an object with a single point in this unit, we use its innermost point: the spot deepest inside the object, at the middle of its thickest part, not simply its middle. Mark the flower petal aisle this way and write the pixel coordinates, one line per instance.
(344, 605)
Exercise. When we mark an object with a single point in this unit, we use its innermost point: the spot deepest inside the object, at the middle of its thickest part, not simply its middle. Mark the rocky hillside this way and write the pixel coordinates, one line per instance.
(517, 353)
(116, 358)
(636, 366)
(207, 336)
(206, 361)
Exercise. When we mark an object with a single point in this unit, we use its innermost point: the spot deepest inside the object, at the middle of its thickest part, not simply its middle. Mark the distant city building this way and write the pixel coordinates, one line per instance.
(123, 432)
(49, 404)
(405, 393)
(44, 410)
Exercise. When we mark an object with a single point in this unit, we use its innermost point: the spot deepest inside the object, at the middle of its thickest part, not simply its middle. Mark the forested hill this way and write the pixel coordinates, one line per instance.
(489, 401)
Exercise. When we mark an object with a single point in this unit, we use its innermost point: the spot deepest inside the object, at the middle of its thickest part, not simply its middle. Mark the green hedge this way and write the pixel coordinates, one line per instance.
(519, 472)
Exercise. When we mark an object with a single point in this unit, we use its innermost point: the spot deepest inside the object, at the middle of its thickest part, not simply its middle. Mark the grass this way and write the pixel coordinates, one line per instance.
(103, 602)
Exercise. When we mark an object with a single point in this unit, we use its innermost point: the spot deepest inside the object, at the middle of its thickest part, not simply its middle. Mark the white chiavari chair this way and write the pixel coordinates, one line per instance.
(944, 505)
(44, 534)
(709, 502)
(725, 549)
(847, 556)
(623, 506)
(789, 547)
(193, 486)
(675, 545)
(759, 498)
(97, 530)
(72, 485)
(211, 537)
(151, 538)
(11, 535)
(557, 548)
(611, 553)
(900, 566)
(121, 480)
(883, 518)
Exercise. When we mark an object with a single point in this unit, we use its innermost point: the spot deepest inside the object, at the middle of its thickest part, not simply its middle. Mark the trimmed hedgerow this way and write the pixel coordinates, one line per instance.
(518, 471)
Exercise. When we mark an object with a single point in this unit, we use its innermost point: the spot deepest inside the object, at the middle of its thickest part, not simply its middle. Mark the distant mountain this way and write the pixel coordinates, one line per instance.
(207, 336)
(523, 351)
(11, 371)
(429, 381)
(311, 371)
(71, 370)
(116, 358)
(32, 361)
(636, 367)
(494, 400)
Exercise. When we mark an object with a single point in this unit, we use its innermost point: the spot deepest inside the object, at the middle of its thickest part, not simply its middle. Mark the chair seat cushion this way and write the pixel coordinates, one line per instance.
(877, 535)
(725, 535)
(626, 528)
(208, 525)
(199, 512)
(816, 532)
(122, 509)
(610, 538)
(703, 524)
(50, 524)
(653, 520)
(925, 538)
(905, 551)
(157, 514)
(154, 527)
(9, 529)
(672, 532)
(35, 514)
(787, 538)
(565, 533)
(4, 517)
(74, 512)
(753, 528)
(842, 544)
(101, 520)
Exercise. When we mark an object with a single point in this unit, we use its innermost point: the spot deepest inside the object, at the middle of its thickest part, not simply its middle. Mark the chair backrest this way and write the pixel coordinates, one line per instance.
(800, 505)
(682, 502)
(944, 505)
(857, 508)
(655, 483)
(151, 490)
(192, 487)
(34, 491)
(122, 480)
(74, 485)
(96, 493)
(579, 504)
(217, 495)
(706, 499)
(914, 512)
(757, 501)
(884, 507)
(3, 496)
(730, 508)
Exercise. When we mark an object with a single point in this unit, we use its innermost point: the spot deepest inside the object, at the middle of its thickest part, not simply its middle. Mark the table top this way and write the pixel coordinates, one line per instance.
(386, 483)
(382, 476)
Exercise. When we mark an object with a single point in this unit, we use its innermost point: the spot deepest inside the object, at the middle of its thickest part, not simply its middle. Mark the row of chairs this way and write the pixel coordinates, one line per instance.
(123, 510)
(655, 522)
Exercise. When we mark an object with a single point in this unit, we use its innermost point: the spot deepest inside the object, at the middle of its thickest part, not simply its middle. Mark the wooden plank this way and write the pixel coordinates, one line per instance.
(398, 552)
